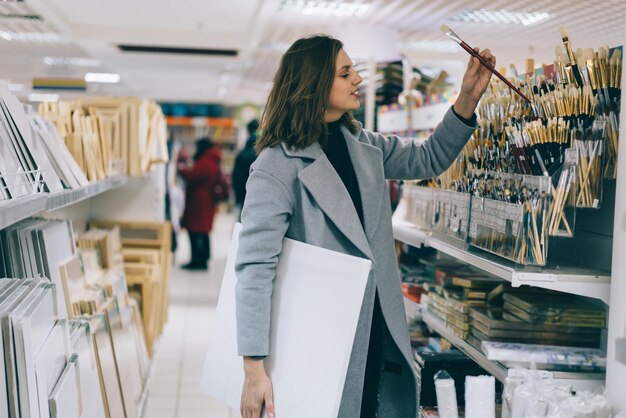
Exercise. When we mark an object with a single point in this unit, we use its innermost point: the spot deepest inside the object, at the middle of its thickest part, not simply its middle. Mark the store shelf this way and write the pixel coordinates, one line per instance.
(412, 309)
(14, 210)
(70, 197)
(578, 381)
(494, 368)
(583, 282)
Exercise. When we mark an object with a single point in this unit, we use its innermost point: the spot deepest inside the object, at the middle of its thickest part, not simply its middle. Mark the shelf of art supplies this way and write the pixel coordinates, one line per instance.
(412, 309)
(71, 196)
(15, 210)
(577, 281)
(578, 381)
(425, 117)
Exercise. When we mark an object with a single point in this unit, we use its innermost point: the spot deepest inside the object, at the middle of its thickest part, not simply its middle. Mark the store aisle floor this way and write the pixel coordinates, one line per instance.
(179, 355)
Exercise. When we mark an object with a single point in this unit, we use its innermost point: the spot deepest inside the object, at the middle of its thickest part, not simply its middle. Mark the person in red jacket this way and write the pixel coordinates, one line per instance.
(199, 212)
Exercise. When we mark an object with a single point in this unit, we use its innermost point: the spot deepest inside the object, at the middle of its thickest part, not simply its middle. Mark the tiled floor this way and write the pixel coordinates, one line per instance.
(179, 355)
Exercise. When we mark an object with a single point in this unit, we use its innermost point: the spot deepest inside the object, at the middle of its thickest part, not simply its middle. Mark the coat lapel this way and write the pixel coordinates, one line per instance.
(367, 162)
(323, 183)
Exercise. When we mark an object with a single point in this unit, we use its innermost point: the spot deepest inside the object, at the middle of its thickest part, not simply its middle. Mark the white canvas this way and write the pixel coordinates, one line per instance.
(11, 293)
(33, 152)
(50, 363)
(64, 399)
(58, 153)
(24, 356)
(90, 394)
(58, 245)
(315, 310)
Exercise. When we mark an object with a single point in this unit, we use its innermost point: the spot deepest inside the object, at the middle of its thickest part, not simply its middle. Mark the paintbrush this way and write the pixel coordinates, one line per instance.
(450, 34)
(571, 56)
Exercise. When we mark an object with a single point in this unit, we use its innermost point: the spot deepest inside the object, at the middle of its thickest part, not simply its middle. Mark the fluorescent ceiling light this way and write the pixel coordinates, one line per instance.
(102, 78)
(324, 8)
(32, 36)
(15, 87)
(71, 62)
(274, 46)
(432, 46)
(500, 16)
(39, 97)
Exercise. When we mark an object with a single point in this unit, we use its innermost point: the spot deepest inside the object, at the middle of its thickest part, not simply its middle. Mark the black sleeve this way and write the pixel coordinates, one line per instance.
(468, 122)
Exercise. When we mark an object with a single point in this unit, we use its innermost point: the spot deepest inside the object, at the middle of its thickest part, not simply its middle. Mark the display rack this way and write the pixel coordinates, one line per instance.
(15, 210)
(69, 197)
(146, 391)
(412, 310)
(578, 281)
(578, 381)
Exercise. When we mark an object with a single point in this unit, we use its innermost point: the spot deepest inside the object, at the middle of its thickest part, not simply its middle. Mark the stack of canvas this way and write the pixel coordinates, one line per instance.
(31, 160)
(40, 371)
(92, 367)
(107, 245)
(104, 132)
(146, 248)
(36, 247)
(101, 306)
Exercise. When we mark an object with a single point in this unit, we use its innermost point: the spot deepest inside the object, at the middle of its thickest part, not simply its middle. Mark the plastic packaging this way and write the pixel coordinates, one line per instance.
(480, 397)
(562, 210)
(446, 395)
(534, 394)
(420, 202)
(509, 216)
(590, 175)
(452, 213)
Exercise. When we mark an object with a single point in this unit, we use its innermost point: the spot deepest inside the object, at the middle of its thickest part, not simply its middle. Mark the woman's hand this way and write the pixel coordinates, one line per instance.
(257, 390)
(475, 82)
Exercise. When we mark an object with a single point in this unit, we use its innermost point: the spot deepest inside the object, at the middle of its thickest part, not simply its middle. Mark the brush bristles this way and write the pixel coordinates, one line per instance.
(448, 32)
(563, 31)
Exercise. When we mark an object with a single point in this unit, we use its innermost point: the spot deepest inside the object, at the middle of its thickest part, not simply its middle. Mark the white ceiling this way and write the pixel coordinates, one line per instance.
(260, 32)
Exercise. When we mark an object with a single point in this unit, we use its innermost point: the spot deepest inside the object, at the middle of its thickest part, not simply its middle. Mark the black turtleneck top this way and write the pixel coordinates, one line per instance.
(336, 150)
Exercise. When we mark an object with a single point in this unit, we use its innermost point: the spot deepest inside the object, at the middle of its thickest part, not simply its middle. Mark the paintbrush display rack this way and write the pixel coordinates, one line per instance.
(510, 215)
(451, 214)
(420, 210)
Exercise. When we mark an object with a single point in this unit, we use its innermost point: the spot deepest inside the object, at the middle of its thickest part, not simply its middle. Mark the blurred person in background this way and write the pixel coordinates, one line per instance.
(200, 180)
(244, 160)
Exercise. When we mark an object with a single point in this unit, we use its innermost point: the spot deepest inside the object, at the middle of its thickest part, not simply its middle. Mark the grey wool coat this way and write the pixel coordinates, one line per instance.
(298, 194)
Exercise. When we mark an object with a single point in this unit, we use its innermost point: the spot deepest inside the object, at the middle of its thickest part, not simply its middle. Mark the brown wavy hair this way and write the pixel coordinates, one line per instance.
(296, 106)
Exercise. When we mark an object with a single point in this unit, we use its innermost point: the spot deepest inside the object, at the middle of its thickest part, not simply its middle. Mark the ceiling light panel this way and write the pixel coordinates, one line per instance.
(325, 8)
(102, 78)
(431, 45)
(500, 16)
(42, 97)
(71, 62)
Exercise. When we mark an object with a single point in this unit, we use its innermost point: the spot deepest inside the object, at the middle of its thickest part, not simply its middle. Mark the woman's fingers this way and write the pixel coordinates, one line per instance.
(269, 402)
(488, 56)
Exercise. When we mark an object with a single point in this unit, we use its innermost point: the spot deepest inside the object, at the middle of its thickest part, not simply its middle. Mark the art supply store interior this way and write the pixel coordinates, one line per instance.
(511, 261)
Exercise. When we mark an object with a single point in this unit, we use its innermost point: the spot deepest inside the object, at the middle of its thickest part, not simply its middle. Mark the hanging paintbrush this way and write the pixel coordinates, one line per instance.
(571, 64)
(450, 34)
(615, 79)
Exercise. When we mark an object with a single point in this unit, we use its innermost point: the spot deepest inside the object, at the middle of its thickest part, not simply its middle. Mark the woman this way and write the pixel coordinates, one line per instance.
(320, 179)
(199, 212)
